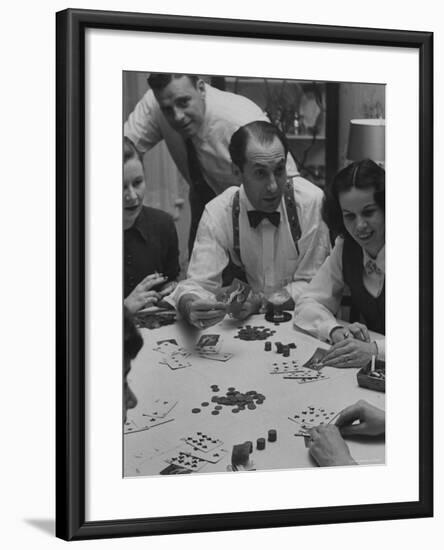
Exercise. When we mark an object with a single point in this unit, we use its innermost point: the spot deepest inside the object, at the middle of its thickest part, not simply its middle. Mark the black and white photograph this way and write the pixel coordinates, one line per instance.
(253, 261)
(223, 235)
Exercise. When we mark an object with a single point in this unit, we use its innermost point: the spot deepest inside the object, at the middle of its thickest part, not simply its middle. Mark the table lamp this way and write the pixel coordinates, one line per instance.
(366, 140)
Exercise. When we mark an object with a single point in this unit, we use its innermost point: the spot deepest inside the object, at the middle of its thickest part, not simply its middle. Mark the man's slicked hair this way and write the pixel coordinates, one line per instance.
(159, 81)
(261, 130)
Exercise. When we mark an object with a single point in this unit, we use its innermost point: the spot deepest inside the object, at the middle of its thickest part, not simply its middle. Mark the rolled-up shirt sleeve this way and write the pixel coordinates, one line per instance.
(316, 250)
(208, 260)
(316, 309)
(142, 126)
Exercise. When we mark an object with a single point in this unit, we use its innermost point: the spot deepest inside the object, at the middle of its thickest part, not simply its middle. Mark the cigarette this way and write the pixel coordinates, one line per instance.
(372, 367)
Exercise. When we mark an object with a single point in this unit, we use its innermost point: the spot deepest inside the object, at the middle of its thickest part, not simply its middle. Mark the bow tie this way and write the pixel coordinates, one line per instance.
(371, 267)
(255, 217)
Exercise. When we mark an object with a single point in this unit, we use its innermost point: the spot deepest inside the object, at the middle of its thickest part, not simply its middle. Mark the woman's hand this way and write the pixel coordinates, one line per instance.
(355, 330)
(350, 353)
(142, 295)
(359, 331)
(338, 334)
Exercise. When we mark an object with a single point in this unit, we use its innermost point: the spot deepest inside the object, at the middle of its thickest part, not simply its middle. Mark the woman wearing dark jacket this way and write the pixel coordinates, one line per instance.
(354, 210)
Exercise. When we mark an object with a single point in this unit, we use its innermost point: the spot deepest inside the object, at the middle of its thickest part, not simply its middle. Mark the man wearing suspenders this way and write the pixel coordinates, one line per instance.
(270, 227)
(196, 121)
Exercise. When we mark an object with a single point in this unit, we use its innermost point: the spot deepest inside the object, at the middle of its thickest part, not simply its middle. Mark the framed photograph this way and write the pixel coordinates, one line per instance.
(220, 378)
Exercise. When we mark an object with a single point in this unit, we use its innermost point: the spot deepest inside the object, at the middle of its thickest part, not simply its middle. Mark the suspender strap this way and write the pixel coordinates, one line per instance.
(292, 214)
(235, 214)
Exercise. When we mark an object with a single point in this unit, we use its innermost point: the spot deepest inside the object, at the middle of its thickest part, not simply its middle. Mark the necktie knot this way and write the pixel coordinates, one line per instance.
(256, 216)
(371, 267)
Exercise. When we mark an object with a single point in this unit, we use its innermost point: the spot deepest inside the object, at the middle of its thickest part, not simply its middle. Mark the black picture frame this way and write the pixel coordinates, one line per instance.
(70, 293)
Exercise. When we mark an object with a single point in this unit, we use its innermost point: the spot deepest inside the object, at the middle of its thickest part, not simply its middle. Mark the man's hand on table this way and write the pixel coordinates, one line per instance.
(201, 313)
(327, 447)
(371, 420)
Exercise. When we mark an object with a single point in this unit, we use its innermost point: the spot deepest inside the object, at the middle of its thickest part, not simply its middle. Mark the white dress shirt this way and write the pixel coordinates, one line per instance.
(224, 114)
(317, 307)
(268, 253)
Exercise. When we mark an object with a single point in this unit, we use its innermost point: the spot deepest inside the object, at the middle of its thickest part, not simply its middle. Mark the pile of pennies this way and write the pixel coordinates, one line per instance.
(254, 333)
(233, 398)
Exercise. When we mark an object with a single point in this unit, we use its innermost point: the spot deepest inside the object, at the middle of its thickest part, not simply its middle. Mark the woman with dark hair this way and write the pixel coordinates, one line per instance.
(151, 254)
(354, 210)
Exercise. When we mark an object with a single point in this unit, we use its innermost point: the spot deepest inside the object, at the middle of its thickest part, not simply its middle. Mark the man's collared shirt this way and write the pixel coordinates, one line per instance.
(224, 114)
(268, 253)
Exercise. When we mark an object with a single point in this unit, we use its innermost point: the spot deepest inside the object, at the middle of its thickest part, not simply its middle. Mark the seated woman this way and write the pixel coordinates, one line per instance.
(354, 209)
(151, 255)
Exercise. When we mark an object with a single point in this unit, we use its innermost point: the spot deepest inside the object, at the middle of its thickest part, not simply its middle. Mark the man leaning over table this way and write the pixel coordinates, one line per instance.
(270, 227)
(196, 121)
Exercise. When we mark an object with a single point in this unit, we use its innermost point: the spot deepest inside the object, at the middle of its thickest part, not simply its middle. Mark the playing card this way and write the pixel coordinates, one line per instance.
(315, 360)
(139, 423)
(308, 379)
(214, 456)
(175, 362)
(169, 340)
(311, 417)
(186, 461)
(234, 295)
(166, 347)
(202, 441)
(283, 366)
(159, 408)
(216, 356)
(209, 343)
(173, 469)
(130, 426)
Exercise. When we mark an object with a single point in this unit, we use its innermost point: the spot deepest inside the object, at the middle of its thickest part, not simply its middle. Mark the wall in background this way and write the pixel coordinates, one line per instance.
(357, 101)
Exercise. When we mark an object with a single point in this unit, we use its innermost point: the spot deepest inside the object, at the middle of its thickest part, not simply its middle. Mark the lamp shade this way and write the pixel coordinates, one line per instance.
(366, 139)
